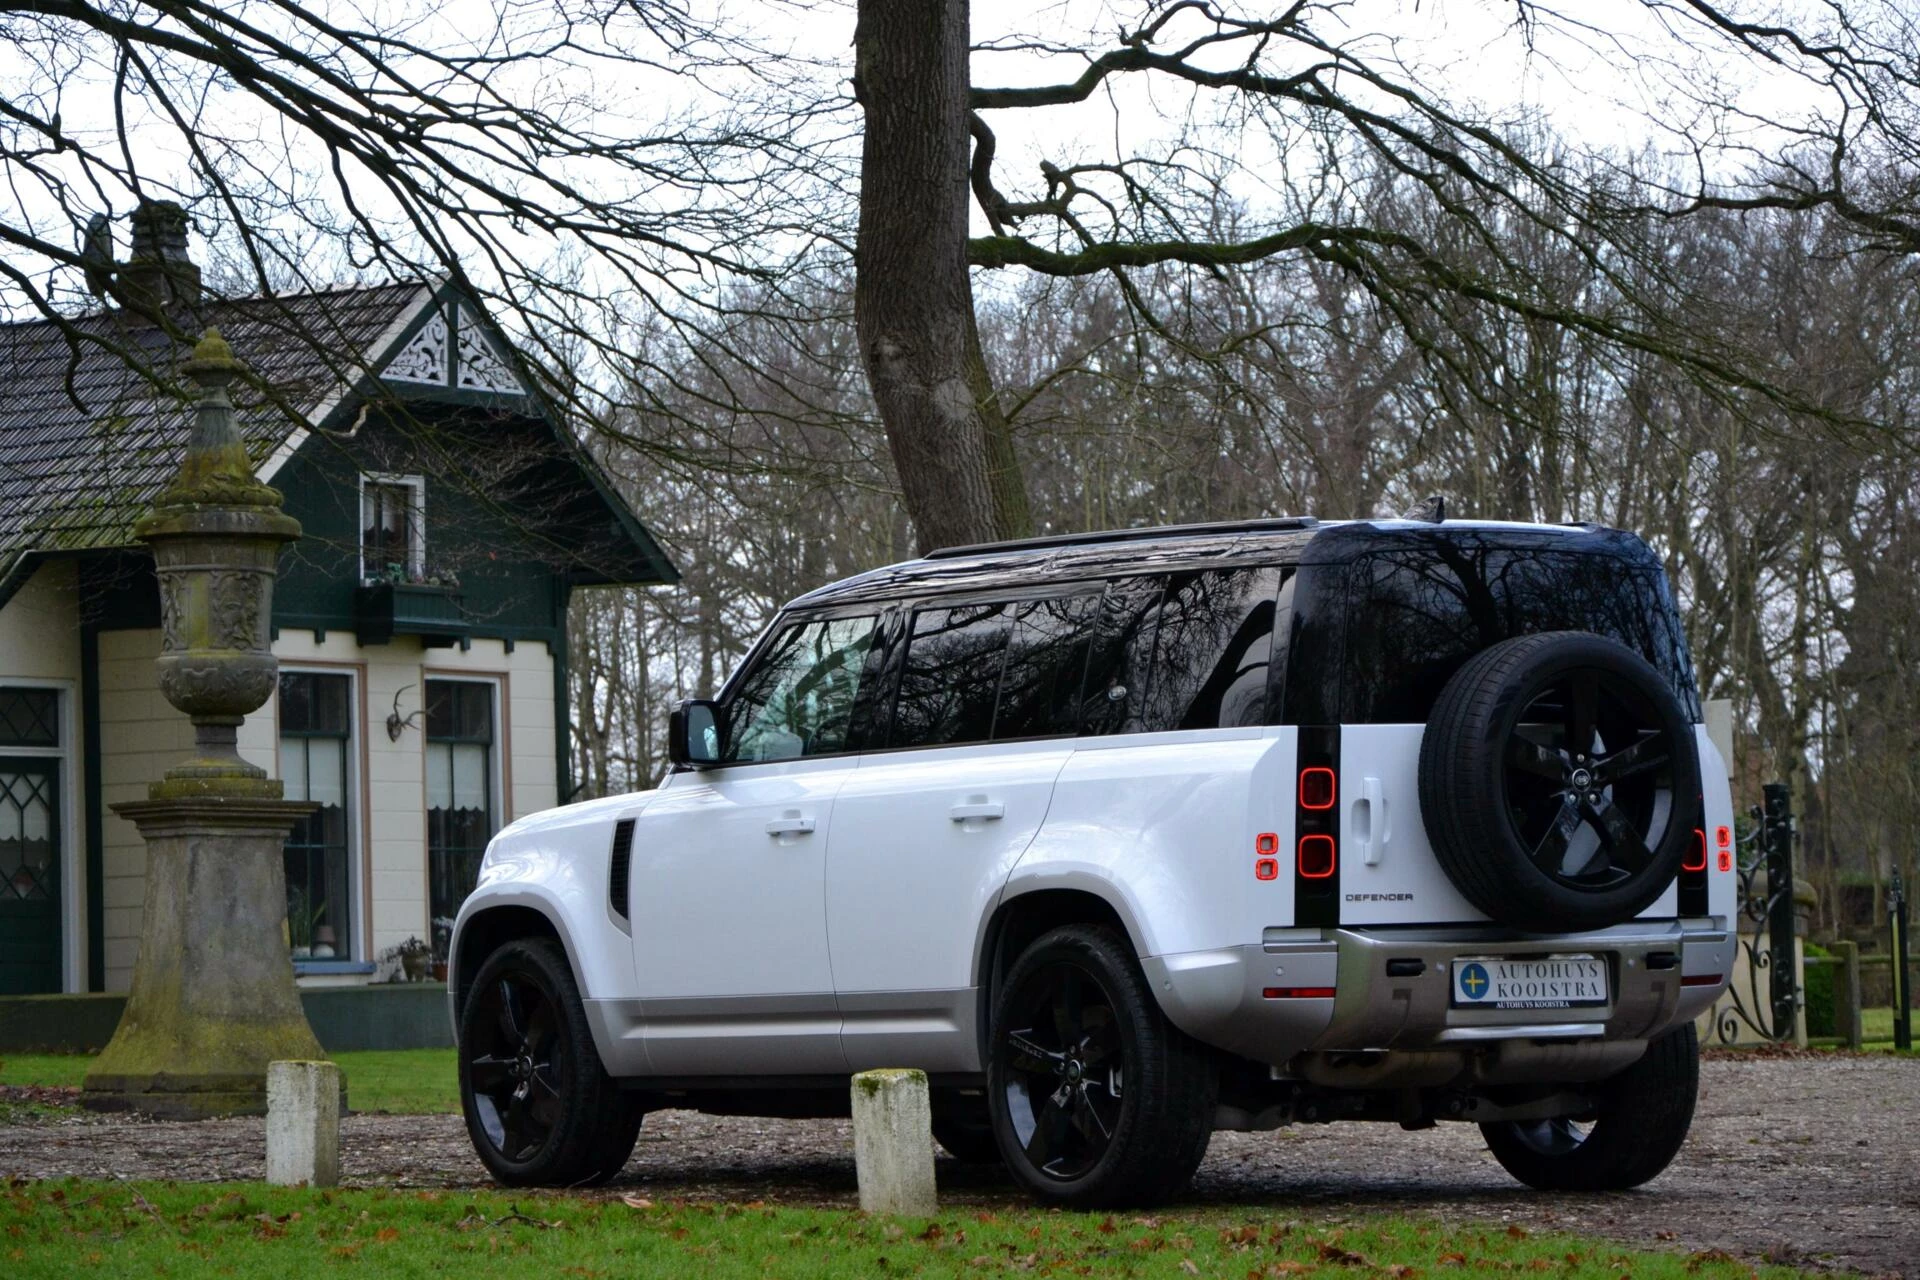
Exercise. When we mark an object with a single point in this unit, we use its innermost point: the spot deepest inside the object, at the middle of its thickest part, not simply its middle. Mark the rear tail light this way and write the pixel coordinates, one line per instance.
(1702, 980)
(1316, 833)
(1723, 837)
(1297, 993)
(1317, 857)
(1696, 859)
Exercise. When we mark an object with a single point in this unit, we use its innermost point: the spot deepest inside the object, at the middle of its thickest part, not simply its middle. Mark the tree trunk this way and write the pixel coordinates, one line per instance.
(913, 302)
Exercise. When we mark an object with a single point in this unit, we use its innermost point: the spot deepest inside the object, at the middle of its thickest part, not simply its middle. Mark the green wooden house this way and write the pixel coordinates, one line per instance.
(420, 623)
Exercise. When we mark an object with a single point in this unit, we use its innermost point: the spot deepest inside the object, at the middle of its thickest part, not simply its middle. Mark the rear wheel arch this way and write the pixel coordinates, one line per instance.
(1022, 918)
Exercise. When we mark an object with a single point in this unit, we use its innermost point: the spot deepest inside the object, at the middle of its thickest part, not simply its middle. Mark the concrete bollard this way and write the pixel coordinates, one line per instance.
(893, 1143)
(303, 1124)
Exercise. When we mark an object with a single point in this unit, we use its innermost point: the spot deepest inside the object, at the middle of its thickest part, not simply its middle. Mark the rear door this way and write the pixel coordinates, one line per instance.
(1414, 618)
(926, 831)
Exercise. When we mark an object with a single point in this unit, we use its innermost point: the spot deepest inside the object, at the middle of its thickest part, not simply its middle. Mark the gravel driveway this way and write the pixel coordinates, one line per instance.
(1798, 1159)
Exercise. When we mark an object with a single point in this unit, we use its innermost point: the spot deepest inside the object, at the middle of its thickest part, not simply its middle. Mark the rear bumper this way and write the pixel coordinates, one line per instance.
(1393, 988)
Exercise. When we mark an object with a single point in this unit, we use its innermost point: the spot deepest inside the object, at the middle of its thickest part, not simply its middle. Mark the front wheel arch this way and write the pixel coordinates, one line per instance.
(486, 931)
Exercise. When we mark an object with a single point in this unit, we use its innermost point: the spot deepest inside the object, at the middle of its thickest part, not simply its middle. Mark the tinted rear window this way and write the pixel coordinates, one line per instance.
(1415, 617)
(951, 676)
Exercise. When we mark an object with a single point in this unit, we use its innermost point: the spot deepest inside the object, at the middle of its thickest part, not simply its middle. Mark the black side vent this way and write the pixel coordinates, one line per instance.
(617, 873)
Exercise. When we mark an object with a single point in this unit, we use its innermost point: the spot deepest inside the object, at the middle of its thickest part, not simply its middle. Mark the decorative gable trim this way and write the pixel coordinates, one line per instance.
(478, 364)
(426, 358)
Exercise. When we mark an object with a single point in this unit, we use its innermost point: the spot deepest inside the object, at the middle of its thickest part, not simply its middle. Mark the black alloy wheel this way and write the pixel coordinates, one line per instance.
(1638, 1123)
(1097, 1100)
(1559, 782)
(540, 1108)
(521, 1064)
(1065, 1073)
(1590, 780)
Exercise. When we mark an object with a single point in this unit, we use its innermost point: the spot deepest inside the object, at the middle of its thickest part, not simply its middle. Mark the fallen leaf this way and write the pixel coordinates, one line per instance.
(636, 1202)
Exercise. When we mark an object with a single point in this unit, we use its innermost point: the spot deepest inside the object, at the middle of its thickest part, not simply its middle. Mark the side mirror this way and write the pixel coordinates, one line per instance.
(693, 734)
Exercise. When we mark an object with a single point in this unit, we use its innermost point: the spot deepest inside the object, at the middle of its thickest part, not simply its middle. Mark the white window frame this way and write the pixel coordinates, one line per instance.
(73, 838)
(496, 765)
(358, 938)
(416, 521)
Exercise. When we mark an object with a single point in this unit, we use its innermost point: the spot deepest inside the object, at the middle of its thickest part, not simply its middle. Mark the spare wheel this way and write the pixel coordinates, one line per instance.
(1559, 782)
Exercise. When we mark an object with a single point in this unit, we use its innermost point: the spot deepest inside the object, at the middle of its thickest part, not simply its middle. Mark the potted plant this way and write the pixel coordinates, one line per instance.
(302, 919)
(414, 956)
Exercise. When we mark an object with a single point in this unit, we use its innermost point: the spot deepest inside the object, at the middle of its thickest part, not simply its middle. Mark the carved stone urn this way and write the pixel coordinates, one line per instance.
(213, 999)
(216, 533)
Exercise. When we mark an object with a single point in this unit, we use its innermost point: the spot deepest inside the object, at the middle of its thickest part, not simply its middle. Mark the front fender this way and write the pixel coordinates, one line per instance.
(556, 864)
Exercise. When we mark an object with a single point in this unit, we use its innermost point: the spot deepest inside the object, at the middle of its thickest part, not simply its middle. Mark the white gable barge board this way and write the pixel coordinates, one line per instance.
(319, 418)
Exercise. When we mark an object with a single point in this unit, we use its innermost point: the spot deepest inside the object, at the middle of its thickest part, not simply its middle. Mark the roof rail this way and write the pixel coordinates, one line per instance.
(1266, 524)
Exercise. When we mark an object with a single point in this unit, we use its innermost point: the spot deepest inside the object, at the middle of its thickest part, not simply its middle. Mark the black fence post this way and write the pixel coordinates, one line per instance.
(1902, 992)
(1783, 978)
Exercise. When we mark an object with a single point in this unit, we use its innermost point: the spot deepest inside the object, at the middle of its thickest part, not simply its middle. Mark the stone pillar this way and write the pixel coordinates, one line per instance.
(213, 998)
(893, 1143)
(303, 1124)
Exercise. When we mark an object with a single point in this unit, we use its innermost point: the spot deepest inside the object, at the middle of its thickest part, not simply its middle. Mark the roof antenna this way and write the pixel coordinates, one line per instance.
(1432, 510)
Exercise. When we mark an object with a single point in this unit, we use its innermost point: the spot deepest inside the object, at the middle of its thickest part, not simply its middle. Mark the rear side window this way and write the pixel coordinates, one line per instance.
(1416, 617)
(1120, 664)
(1045, 665)
(951, 676)
(1213, 650)
(1183, 651)
(1180, 651)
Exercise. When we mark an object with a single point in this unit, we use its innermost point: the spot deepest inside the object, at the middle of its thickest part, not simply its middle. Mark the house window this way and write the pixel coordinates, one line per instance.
(460, 793)
(393, 540)
(29, 718)
(316, 733)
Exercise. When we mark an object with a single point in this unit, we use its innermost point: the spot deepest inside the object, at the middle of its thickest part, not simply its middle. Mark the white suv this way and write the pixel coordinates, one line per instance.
(1124, 838)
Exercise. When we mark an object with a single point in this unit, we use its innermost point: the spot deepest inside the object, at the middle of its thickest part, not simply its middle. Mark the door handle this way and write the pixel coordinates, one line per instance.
(1370, 821)
(978, 809)
(791, 824)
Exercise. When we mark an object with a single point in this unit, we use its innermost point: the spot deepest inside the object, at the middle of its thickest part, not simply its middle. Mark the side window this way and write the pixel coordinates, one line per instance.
(1120, 663)
(1046, 662)
(951, 676)
(798, 700)
(1213, 649)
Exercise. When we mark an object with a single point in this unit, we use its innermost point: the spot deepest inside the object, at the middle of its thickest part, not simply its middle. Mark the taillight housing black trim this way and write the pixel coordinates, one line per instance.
(1316, 897)
(619, 869)
(1694, 865)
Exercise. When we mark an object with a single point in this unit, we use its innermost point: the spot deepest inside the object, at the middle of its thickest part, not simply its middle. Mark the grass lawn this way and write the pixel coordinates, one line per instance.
(74, 1228)
(404, 1081)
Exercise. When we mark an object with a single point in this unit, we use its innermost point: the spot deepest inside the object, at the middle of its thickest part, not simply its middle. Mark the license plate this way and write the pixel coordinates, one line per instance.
(1555, 982)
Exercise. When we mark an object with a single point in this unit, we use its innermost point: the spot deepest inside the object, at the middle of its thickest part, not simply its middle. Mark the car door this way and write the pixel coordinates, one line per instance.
(927, 830)
(729, 869)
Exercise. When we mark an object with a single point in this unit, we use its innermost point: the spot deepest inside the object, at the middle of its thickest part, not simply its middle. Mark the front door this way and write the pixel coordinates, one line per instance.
(926, 832)
(29, 875)
(729, 871)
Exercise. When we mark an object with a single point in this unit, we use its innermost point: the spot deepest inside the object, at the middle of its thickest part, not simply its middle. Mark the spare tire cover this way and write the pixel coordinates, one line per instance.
(1559, 782)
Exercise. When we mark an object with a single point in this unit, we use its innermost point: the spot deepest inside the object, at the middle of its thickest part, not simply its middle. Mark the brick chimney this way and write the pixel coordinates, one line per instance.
(159, 274)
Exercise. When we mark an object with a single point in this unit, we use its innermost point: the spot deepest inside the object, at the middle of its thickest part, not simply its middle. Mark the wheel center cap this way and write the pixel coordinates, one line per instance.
(1073, 1069)
(1581, 779)
(523, 1067)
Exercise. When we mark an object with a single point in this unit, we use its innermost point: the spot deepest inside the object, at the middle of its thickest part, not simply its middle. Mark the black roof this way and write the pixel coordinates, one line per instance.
(87, 439)
(1294, 540)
